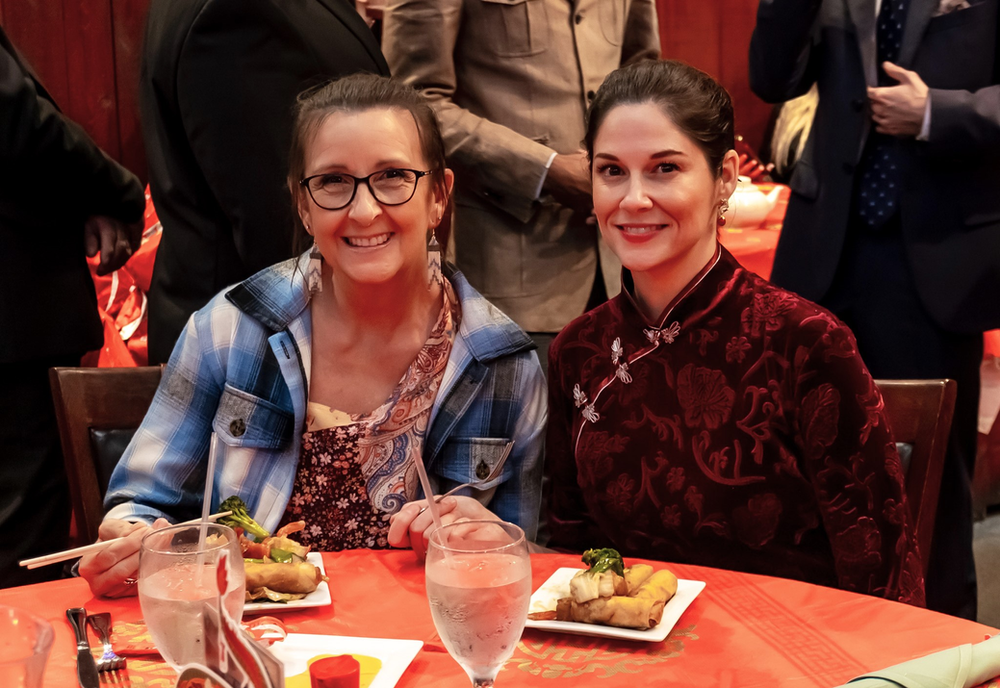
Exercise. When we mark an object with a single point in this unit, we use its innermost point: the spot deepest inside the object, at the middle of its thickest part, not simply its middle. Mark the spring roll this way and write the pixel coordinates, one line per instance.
(624, 612)
(662, 585)
(636, 575)
(301, 577)
(642, 609)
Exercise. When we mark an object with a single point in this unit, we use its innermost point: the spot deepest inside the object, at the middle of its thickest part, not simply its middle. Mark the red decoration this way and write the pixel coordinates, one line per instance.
(342, 671)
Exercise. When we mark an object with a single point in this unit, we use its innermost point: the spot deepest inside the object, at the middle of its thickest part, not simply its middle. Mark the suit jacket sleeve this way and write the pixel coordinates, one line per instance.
(781, 49)
(965, 123)
(239, 73)
(36, 138)
(419, 39)
(642, 33)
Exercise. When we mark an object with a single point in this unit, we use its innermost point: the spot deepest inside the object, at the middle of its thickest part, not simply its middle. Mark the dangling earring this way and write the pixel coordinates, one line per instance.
(433, 261)
(723, 207)
(314, 271)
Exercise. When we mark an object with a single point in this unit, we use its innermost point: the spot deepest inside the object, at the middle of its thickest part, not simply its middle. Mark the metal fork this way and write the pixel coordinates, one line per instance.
(492, 476)
(109, 661)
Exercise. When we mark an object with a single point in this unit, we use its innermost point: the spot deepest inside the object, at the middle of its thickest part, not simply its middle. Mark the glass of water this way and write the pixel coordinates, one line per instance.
(178, 588)
(479, 584)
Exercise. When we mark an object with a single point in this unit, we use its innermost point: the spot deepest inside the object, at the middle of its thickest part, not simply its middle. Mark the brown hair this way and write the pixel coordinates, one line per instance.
(693, 100)
(357, 93)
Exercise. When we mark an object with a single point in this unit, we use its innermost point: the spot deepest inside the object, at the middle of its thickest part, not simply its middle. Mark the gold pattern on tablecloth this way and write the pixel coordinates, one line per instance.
(572, 656)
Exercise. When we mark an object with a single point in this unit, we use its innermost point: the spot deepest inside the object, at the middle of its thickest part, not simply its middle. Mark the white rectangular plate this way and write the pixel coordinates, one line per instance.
(557, 586)
(297, 649)
(320, 597)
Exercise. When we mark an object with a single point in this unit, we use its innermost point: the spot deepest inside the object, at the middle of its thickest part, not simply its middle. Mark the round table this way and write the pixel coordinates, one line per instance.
(743, 630)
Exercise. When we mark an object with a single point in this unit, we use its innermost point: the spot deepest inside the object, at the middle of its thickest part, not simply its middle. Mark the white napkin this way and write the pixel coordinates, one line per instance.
(964, 666)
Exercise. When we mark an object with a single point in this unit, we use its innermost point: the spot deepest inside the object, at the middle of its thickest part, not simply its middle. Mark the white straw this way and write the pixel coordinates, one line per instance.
(425, 482)
(206, 503)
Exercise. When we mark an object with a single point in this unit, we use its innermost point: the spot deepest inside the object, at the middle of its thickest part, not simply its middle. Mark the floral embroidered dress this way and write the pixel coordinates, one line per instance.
(741, 431)
(356, 470)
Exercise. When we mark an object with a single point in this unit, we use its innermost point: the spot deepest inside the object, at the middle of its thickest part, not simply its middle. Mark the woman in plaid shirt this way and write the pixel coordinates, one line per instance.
(328, 376)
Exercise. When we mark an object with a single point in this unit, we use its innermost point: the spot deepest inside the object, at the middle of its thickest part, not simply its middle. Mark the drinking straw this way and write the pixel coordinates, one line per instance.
(425, 482)
(206, 502)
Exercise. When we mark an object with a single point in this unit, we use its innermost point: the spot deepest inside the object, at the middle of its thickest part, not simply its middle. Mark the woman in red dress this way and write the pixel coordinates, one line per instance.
(704, 415)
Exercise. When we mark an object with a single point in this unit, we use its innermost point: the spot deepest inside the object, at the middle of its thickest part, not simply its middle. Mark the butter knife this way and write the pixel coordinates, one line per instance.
(86, 667)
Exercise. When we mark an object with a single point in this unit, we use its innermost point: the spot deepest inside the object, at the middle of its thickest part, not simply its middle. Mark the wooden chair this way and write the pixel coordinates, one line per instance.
(920, 413)
(98, 410)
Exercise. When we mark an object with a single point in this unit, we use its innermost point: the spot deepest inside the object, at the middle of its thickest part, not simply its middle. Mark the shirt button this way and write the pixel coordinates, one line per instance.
(591, 95)
(578, 18)
(237, 428)
(482, 470)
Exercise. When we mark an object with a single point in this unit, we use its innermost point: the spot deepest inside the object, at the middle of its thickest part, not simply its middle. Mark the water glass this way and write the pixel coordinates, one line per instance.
(25, 641)
(479, 585)
(178, 589)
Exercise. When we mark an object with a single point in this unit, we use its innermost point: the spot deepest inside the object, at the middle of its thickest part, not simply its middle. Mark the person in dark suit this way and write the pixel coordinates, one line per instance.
(219, 82)
(61, 197)
(894, 219)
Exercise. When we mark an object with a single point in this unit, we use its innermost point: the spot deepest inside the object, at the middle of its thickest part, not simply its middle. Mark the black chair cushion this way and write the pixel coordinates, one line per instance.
(108, 447)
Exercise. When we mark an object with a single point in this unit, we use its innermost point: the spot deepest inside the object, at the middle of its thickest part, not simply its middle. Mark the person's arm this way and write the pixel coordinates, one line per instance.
(162, 472)
(642, 33)
(782, 60)
(419, 39)
(519, 498)
(964, 122)
(848, 454)
(568, 521)
(239, 72)
(43, 144)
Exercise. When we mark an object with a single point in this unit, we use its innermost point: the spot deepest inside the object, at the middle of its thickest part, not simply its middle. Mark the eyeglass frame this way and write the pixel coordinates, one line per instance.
(304, 182)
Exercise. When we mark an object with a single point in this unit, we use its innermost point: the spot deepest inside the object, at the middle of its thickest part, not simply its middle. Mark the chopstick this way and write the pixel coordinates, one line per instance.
(65, 555)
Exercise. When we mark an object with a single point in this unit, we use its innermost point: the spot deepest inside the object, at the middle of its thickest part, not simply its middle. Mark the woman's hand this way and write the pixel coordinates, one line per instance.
(412, 525)
(112, 572)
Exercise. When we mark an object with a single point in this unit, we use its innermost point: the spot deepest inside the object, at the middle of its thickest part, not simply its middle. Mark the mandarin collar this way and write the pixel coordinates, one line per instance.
(691, 299)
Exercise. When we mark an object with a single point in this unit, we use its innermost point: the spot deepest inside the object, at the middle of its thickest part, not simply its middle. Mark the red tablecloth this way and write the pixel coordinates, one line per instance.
(743, 630)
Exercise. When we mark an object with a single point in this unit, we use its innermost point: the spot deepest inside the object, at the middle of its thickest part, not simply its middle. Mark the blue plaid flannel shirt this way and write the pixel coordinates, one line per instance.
(241, 368)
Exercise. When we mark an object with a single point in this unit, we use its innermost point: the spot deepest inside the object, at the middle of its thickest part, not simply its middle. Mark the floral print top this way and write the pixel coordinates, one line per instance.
(741, 431)
(356, 470)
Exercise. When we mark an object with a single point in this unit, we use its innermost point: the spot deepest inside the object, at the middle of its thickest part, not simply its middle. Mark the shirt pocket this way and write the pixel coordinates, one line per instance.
(471, 460)
(516, 28)
(245, 420)
(612, 17)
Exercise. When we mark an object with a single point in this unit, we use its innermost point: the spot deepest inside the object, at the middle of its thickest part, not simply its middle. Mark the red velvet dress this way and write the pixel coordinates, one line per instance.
(741, 431)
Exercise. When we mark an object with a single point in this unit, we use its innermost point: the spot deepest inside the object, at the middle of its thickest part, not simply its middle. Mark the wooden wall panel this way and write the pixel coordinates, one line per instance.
(129, 21)
(90, 71)
(714, 35)
(37, 30)
(87, 52)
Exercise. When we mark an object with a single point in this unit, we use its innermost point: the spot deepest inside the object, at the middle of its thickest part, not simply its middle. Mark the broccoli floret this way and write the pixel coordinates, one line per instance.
(240, 518)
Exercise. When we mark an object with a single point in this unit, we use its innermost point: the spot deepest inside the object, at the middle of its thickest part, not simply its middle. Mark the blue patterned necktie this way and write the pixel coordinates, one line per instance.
(880, 176)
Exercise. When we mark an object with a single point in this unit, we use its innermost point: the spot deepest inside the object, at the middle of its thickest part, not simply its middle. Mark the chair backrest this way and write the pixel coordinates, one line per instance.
(920, 414)
(98, 410)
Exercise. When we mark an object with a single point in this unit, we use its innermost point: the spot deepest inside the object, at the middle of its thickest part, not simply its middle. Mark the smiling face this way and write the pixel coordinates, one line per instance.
(366, 241)
(655, 197)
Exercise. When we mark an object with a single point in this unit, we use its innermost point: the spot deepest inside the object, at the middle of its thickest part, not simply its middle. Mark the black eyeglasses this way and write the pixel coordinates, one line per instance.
(336, 190)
